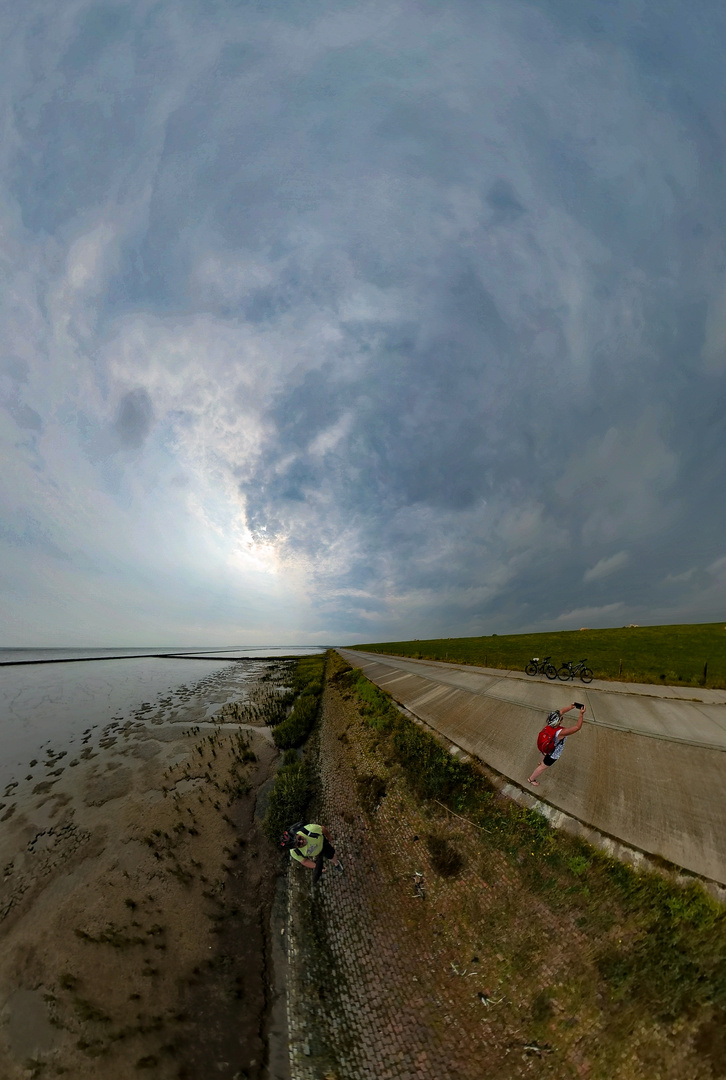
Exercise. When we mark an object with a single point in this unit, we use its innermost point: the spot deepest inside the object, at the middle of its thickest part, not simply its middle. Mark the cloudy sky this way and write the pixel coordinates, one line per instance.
(353, 320)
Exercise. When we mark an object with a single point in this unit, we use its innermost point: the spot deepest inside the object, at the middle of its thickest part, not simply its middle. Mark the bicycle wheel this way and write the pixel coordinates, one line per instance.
(565, 673)
(551, 671)
(531, 668)
(586, 674)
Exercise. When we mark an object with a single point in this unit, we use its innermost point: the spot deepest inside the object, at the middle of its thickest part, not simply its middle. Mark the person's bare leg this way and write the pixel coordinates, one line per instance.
(537, 772)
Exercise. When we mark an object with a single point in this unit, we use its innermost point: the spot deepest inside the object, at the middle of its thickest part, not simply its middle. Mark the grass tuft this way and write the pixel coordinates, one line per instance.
(371, 789)
(288, 799)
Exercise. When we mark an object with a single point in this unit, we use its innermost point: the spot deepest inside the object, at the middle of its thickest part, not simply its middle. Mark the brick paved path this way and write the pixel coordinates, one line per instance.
(367, 1022)
(379, 986)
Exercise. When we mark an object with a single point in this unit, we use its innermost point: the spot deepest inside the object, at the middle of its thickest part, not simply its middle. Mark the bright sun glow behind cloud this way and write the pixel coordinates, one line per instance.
(328, 322)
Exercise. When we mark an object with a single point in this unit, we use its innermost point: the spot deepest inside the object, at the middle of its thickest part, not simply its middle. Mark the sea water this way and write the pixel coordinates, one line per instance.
(51, 705)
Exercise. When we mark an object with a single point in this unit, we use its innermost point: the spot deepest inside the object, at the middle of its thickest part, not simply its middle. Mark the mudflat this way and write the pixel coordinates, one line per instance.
(134, 905)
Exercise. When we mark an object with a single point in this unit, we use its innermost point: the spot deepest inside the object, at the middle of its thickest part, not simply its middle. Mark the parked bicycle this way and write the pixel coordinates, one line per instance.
(541, 667)
(570, 670)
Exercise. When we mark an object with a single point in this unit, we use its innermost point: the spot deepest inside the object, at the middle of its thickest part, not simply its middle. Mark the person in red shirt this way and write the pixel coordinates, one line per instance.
(555, 720)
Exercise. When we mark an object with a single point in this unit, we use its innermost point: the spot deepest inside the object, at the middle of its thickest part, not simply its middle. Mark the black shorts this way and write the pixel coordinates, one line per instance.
(549, 760)
(327, 853)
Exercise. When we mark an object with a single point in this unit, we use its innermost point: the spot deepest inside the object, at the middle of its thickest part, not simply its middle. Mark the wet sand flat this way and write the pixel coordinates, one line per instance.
(134, 900)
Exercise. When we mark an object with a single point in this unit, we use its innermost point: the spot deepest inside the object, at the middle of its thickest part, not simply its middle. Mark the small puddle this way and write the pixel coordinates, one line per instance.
(29, 1031)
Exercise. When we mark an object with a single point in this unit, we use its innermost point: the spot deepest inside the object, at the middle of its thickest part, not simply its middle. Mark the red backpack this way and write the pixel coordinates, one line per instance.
(546, 739)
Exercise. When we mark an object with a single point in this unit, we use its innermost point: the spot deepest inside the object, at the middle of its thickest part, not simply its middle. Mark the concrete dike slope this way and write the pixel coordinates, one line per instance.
(648, 767)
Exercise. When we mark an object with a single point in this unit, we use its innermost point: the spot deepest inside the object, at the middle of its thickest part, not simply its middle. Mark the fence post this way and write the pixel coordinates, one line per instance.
(705, 671)
(620, 669)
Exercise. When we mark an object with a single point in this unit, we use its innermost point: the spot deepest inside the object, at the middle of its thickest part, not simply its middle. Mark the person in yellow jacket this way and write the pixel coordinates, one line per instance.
(313, 844)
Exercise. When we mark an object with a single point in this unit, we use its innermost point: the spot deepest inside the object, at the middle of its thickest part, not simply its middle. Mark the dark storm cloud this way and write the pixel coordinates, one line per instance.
(562, 400)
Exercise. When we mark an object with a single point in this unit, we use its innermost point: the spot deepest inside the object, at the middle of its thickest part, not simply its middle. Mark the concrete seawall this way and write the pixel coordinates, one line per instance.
(647, 768)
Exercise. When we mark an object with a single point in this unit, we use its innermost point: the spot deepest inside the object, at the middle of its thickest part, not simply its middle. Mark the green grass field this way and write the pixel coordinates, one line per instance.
(648, 654)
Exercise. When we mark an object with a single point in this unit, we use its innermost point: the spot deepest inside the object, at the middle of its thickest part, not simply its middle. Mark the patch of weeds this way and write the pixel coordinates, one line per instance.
(431, 771)
(111, 935)
(371, 790)
(307, 687)
(540, 881)
(146, 1027)
(295, 729)
(673, 958)
(288, 799)
(90, 1013)
(92, 1047)
(710, 1041)
(446, 859)
(181, 873)
(542, 1007)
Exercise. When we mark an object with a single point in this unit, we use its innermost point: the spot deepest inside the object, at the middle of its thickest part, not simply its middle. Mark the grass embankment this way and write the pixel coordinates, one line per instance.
(690, 655)
(307, 686)
(646, 953)
(291, 792)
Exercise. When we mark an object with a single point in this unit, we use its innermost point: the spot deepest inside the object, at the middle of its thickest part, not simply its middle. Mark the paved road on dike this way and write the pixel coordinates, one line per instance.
(648, 767)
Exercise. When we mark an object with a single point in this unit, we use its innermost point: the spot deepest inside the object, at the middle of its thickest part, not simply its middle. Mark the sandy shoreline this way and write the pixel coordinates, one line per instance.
(135, 898)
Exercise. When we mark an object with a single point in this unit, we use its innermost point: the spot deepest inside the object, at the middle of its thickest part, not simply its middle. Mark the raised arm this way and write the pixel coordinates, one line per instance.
(564, 732)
